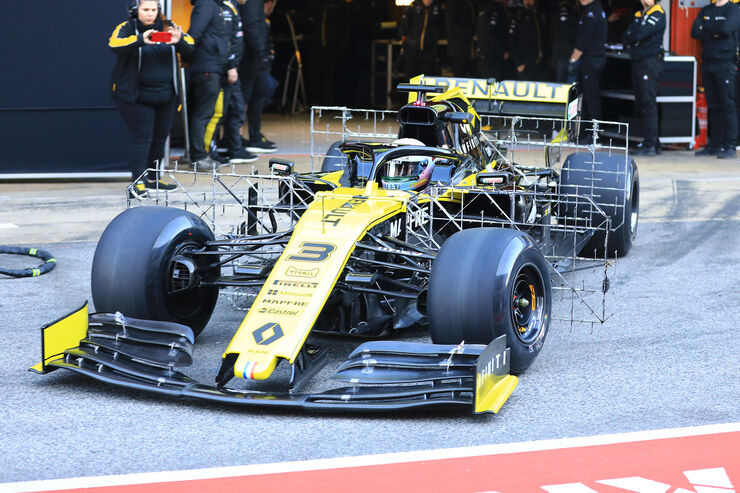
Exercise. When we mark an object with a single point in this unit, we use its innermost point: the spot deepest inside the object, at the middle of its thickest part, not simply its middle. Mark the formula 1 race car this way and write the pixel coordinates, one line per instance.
(432, 223)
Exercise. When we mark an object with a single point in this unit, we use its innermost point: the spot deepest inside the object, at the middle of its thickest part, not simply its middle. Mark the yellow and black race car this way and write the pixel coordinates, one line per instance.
(437, 228)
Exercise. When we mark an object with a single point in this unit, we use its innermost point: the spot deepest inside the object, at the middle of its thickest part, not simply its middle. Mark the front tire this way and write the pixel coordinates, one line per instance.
(132, 270)
(486, 282)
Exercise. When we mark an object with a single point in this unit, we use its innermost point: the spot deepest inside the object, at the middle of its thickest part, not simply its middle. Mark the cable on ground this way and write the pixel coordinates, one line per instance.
(49, 261)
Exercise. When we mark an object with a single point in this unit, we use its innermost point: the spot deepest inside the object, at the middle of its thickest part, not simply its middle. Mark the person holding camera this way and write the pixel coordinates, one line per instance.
(144, 85)
(644, 38)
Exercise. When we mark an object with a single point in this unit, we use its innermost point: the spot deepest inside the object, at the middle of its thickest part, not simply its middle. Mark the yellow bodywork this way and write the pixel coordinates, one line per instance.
(491, 392)
(61, 335)
(294, 294)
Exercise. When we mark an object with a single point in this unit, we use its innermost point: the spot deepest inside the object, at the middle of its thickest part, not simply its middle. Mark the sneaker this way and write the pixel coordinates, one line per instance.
(159, 185)
(261, 146)
(262, 138)
(222, 159)
(206, 164)
(269, 142)
(137, 190)
(242, 156)
(727, 153)
(707, 151)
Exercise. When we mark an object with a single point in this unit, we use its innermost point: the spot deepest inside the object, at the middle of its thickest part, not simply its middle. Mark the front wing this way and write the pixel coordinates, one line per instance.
(382, 375)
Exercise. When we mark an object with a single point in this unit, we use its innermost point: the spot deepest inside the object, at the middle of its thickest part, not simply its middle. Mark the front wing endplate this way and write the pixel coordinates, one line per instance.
(379, 375)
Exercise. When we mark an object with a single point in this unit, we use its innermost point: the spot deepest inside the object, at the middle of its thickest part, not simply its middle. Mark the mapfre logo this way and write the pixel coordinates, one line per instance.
(715, 480)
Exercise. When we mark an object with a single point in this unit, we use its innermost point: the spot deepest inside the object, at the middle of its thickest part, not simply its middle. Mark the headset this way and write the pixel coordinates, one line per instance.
(134, 9)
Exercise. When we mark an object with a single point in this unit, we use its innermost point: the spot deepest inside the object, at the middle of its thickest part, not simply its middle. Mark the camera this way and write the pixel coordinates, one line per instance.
(161, 37)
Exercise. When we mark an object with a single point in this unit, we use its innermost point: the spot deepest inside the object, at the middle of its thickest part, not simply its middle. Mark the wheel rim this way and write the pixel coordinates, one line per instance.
(188, 303)
(634, 209)
(528, 303)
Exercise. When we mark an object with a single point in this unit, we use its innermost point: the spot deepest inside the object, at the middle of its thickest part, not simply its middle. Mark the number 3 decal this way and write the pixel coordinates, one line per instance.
(313, 252)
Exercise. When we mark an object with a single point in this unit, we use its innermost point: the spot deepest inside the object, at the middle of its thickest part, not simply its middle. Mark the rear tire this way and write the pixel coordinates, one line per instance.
(486, 282)
(610, 184)
(132, 267)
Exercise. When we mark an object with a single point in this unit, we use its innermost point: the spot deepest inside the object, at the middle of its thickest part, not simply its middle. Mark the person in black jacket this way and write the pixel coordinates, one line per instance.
(526, 41)
(144, 85)
(214, 27)
(233, 120)
(588, 58)
(420, 29)
(717, 27)
(644, 38)
(563, 26)
(328, 23)
(254, 73)
(492, 32)
(460, 25)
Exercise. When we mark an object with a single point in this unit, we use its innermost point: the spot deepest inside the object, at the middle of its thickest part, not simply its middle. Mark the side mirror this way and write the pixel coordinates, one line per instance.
(493, 179)
(281, 167)
(456, 117)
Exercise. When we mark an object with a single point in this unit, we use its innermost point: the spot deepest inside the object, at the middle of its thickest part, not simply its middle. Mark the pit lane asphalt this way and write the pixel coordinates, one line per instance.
(667, 358)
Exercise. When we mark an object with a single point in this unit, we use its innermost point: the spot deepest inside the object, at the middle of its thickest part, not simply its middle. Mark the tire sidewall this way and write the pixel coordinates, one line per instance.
(516, 256)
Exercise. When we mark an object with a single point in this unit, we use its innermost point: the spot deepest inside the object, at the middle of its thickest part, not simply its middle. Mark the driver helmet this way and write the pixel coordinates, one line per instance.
(407, 173)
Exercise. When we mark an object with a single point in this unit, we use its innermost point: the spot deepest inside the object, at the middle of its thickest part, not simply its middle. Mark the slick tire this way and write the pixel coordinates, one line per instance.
(615, 187)
(132, 267)
(487, 282)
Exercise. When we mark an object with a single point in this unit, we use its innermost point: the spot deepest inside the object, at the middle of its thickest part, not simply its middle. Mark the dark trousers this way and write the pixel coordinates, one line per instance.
(322, 75)
(719, 86)
(590, 77)
(532, 70)
(207, 104)
(561, 68)
(234, 118)
(645, 79)
(420, 62)
(460, 59)
(490, 66)
(149, 125)
(256, 89)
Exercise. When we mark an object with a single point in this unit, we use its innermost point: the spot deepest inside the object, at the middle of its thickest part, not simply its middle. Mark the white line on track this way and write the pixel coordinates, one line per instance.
(8, 226)
(67, 198)
(664, 179)
(645, 220)
(367, 460)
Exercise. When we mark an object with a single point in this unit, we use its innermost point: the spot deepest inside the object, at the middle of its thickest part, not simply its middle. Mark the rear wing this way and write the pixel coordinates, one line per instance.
(512, 97)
